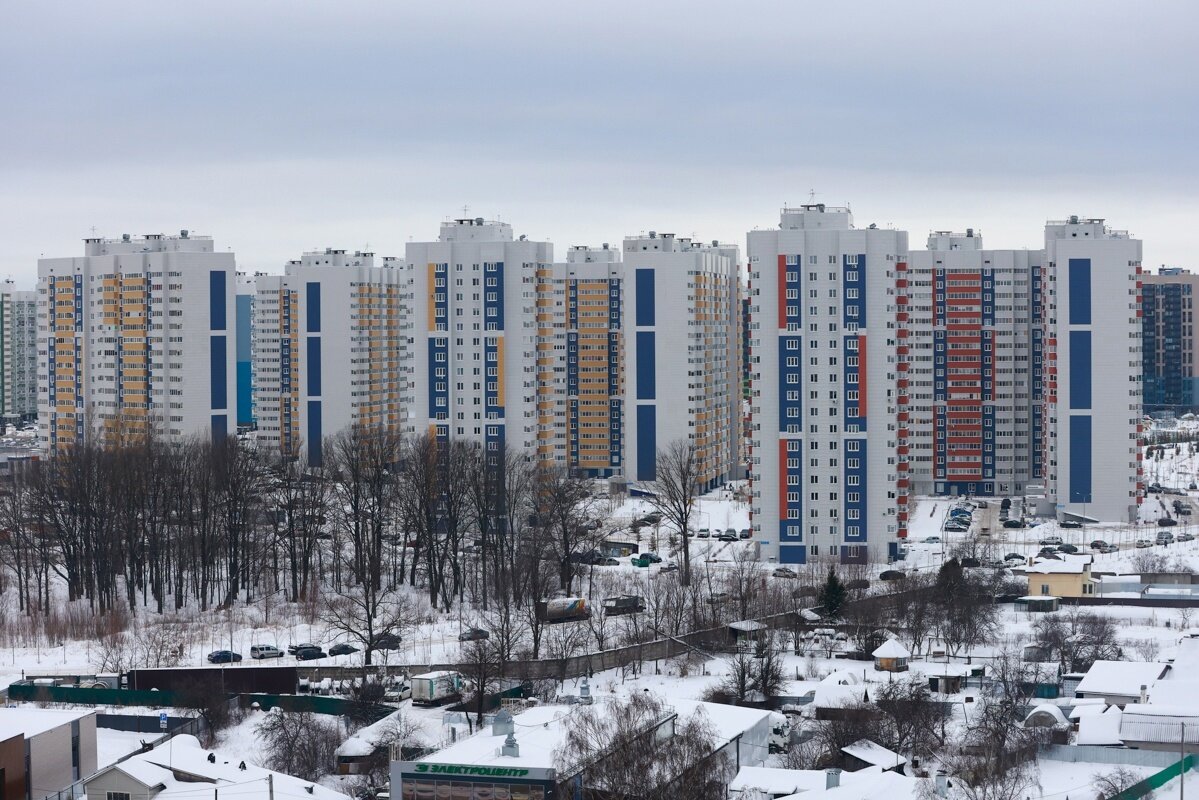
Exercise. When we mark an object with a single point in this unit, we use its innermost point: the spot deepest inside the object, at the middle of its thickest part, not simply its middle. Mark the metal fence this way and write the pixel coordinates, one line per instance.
(1157, 780)
(1097, 754)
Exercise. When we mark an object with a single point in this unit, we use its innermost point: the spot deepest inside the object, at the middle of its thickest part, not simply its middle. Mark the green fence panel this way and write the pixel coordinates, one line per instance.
(1156, 780)
(87, 696)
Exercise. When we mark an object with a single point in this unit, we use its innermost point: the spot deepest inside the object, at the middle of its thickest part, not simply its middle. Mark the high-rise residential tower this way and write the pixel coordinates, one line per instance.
(137, 335)
(1169, 361)
(972, 378)
(1093, 377)
(827, 478)
(329, 349)
(18, 354)
(482, 337)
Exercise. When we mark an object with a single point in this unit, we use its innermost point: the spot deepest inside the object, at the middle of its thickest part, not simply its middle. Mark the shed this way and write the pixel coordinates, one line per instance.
(744, 632)
(866, 753)
(1045, 716)
(891, 656)
(1037, 604)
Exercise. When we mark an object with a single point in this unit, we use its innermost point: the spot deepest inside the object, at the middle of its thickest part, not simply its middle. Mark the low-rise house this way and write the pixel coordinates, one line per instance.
(57, 748)
(1069, 577)
(891, 656)
(1160, 727)
(1120, 682)
(179, 769)
(874, 784)
(865, 753)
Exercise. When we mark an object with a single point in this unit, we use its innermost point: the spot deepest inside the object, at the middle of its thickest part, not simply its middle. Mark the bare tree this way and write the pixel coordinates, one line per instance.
(675, 491)
(302, 744)
(1113, 782)
(370, 616)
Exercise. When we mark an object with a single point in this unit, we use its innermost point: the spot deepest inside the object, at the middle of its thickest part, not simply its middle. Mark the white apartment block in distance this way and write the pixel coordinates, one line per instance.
(827, 480)
(682, 360)
(480, 341)
(329, 349)
(971, 367)
(1093, 376)
(137, 334)
(18, 354)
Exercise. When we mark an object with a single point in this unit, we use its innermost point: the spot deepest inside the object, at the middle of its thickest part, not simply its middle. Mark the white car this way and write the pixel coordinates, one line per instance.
(932, 539)
(265, 651)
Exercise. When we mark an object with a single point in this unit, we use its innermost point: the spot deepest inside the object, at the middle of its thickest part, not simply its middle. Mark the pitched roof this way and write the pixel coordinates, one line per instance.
(1120, 677)
(891, 649)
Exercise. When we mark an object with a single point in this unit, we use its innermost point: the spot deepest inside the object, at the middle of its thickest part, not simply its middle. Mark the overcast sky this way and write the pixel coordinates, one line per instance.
(278, 127)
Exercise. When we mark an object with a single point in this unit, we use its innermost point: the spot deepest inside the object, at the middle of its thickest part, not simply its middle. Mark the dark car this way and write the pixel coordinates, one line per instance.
(1067, 548)
(588, 557)
(669, 566)
(1098, 544)
(727, 537)
(784, 572)
(652, 558)
(1166, 522)
(1013, 523)
(1186, 537)
(223, 657)
(387, 641)
(744, 533)
(473, 634)
(1069, 523)
(970, 561)
(342, 649)
(295, 648)
(891, 575)
(310, 653)
(1010, 556)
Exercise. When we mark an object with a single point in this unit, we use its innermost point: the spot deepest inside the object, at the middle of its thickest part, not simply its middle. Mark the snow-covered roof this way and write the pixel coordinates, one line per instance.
(891, 649)
(874, 754)
(1187, 658)
(839, 696)
(1175, 689)
(775, 780)
(1101, 729)
(182, 767)
(1086, 706)
(1054, 567)
(364, 741)
(1046, 708)
(31, 722)
(871, 786)
(1120, 677)
(441, 673)
(747, 626)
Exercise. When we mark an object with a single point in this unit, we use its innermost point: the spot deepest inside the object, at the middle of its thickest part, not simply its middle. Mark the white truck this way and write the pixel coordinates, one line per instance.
(436, 688)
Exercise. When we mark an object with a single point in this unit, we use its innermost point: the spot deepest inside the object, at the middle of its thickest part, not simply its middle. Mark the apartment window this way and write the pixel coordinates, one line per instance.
(116, 796)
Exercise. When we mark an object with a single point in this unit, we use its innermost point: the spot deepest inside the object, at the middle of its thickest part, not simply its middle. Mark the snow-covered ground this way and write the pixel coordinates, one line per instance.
(112, 745)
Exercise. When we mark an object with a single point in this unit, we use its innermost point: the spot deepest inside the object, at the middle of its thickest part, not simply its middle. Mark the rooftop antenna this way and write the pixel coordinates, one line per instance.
(93, 231)
(811, 195)
(465, 211)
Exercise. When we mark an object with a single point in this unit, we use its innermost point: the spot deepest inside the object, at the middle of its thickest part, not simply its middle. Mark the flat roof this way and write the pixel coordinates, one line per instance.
(30, 722)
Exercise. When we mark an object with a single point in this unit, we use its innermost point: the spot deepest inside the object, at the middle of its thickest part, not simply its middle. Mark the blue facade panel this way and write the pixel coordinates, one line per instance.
(793, 554)
(854, 524)
(315, 434)
(220, 428)
(439, 392)
(1080, 291)
(245, 367)
(217, 317)
(790, 368)
(218, 371)
(1080, 459)
(314, 366)
(645, 298)
(1080, 369)
(493, 299)
(313, 310)
(647, 443)
(647, 367)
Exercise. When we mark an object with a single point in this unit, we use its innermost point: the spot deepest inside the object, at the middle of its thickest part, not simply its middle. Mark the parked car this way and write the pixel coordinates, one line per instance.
(652, 558)
(1013, 523)
(1051, 540)
(1186, 537)
(397, 693)
(387, 641)
(702, 533)
(1005, 503)
(1069, 523)
(970, 561)
(342, 649)
(727, 536)
(1184, 511)
(982, 504)
(1010, 556)
(607, 562)
(1098, 544)
(292, 649)
(265, 651)
(1165, 538)
(744, 533)
(223, 657)
(784, 572)
(310, 654)
(1067, 548)
(1111, 548)
(891, 575)
(1144, 543)
(1166, 522)
(932, 539)
(669, 566)
(473, 635)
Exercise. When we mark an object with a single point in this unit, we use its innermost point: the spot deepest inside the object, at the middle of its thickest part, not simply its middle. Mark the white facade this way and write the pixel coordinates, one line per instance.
(137, 334)
(682, 360)
(827, 481)
(477, 324)
(329, 350)
(971, 378)
(1093, 383)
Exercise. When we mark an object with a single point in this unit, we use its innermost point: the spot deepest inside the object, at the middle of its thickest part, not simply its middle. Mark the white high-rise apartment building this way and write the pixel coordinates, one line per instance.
(482, 337)
(137, 334)
(1093, 376)
(329, 350)
(18, 354)
(827, 479)
(972, 367)
(682, 362)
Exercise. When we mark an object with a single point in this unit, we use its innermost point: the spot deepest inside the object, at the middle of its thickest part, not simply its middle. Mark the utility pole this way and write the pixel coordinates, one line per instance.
(1182, 757)
(270, 786)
